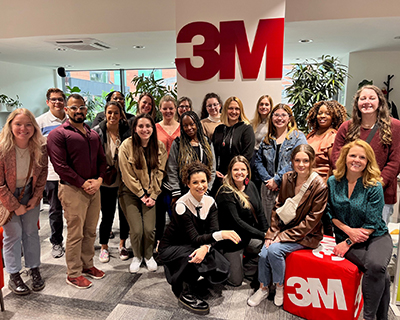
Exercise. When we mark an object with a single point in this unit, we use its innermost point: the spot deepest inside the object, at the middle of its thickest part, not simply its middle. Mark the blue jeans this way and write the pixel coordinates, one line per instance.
(22, 228)
(272, 264)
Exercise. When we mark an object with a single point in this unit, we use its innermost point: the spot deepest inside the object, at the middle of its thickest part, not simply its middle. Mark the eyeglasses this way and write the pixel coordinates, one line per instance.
(75, 108)
(54, 100)
(183, 107)
(283, 115)
(212, 105)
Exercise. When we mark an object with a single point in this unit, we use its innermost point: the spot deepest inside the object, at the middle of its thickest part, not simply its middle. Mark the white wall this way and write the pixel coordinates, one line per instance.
(29, 83)
(376, 66)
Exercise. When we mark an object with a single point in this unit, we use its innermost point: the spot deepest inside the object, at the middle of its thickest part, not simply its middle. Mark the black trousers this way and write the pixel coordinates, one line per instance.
(109, 197)
(55, 213)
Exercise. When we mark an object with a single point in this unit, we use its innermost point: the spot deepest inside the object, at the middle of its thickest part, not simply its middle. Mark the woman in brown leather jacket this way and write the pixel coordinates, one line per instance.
(304, 194)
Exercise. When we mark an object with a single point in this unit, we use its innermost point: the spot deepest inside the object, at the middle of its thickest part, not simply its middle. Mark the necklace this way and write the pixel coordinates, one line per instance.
(22, 152)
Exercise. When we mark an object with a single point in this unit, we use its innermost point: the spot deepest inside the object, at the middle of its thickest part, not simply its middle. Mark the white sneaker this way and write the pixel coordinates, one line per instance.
(104, 256)
(135, 265)
(257, 297)
(151, 264)
(278, 300)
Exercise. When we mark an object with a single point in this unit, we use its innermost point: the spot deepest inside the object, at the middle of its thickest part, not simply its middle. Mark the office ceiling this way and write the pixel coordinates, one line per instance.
(337, 37)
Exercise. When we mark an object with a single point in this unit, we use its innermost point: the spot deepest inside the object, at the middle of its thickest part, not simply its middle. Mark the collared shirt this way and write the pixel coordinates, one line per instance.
(76, 157)
(190, 202)
(47, 122)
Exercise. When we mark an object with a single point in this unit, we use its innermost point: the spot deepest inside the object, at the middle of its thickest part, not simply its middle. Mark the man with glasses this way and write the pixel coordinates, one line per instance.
(55, 100)
(78, 157)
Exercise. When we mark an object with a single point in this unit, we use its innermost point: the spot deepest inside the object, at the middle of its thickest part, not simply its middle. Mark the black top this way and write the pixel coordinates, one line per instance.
(186, 227)
(233, 216)
(231, 141)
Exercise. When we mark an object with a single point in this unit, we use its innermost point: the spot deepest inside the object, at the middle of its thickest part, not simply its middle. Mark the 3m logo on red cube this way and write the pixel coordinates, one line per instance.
(320, 285)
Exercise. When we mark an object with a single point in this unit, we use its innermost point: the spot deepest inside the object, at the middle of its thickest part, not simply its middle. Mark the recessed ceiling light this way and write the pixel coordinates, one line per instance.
(305, 40)
(297, 59)
(138, 47)
(60, 49)
(397, 37)
(68, 66)
(117, 64)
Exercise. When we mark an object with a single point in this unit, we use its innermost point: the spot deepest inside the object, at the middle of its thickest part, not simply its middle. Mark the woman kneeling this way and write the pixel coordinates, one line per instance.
(295, 224)
(186, 248)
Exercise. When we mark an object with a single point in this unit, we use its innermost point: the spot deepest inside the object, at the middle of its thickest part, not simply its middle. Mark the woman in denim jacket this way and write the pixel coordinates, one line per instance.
(273, 156)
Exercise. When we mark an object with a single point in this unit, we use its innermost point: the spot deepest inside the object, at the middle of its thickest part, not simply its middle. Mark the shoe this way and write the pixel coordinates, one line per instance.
(57, 251)
(151, 264)
(37, 281)
(278, 300)
(104, 256)
(257, 297)
(135, 265)
(79, 282)
(123, 253)
(17, 285)
(193, 304)
(94, 273)
(112, 235)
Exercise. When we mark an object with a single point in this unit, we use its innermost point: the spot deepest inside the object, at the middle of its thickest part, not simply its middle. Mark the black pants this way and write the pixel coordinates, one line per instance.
(55, 213)
(163, 205)
(372, 258)
(109, 197)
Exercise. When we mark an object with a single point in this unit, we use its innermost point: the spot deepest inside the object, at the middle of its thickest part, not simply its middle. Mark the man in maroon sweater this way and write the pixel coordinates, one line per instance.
(78, 158)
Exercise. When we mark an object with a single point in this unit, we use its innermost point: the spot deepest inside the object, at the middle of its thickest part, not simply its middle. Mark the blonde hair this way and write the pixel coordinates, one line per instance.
(371, 174)
(230, 185)
(292, 125)
(257, 118)
(224, 112)
(35, 143)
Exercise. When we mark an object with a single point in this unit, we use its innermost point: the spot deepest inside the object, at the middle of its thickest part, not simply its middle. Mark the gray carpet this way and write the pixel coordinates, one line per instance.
(121, 295)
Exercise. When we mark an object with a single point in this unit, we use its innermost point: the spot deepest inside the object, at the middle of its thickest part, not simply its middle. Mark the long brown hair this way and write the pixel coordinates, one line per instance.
(257, 118)
(152, 160)
(292, 125)
(383, 118)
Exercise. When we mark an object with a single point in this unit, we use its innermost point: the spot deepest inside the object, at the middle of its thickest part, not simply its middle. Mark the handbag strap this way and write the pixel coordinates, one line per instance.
(253, 212)
(304, 188)
(372, 133)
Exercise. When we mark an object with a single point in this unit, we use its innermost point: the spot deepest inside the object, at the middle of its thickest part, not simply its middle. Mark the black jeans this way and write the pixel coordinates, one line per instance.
(109, 197)
(55, 213)
(372, 258)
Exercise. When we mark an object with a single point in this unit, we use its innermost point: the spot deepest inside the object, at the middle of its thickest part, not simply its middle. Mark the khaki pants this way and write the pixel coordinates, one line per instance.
(141, 220)
(81, 211)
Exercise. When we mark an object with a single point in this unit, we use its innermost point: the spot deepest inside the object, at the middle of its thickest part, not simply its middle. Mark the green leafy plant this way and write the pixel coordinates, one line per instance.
(313, 81)
(93, 103)
(156, 87)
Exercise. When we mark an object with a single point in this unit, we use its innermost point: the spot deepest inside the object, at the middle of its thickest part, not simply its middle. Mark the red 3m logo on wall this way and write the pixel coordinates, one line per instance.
(230, 38)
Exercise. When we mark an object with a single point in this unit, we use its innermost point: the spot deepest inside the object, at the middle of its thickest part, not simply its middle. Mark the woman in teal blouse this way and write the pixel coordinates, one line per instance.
(355, 206)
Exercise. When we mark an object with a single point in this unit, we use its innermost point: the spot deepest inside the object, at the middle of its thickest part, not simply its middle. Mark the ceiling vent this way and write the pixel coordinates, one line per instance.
(87, 44)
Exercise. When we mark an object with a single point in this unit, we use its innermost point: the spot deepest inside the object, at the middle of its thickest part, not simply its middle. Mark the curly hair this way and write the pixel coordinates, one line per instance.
(193, 168)
(336, 110)
(187, 153)
(204, 112)
(371, 173)
(229, 186)
(292, 125)
(35, 144)
(383, 118)
(257, 118)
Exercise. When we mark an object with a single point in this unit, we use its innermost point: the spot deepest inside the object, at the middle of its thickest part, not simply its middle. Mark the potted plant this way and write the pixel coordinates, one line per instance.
(12, 104)
(313, 81)
(156, 87)
(3, 100)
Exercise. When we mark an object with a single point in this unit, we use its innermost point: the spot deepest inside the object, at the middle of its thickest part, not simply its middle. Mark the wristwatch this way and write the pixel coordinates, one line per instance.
(349, 242)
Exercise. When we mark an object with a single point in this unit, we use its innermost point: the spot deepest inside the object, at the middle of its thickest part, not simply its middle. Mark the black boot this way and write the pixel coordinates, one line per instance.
(17, 285)
(37, 281)
(194, 304)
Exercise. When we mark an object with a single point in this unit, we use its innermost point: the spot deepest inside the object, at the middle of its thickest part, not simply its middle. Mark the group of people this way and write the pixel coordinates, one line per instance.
(240, 194)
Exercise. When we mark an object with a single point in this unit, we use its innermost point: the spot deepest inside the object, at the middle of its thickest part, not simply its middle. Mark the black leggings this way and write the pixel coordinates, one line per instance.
(372, 258)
